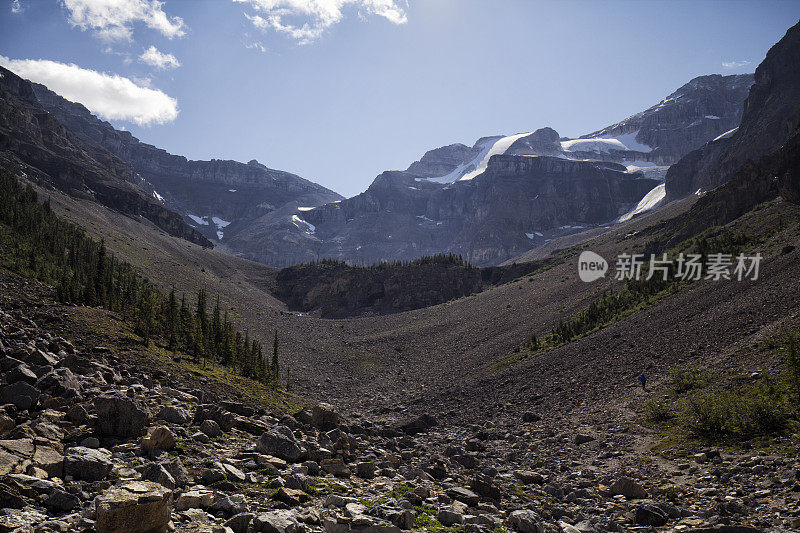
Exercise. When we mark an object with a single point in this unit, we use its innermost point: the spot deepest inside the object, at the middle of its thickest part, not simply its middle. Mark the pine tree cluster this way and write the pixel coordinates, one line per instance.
(39, 244)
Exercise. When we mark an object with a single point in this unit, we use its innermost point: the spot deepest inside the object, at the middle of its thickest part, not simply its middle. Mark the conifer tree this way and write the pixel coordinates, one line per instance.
(274, 367)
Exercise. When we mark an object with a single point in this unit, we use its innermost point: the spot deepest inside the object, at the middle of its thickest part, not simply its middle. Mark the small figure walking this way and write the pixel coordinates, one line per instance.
(643, 381)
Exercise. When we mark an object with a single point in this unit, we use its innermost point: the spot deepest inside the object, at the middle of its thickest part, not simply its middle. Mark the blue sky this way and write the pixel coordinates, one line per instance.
(339, 90)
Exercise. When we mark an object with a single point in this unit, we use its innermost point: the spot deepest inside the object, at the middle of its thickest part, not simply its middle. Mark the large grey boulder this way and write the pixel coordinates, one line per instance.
(86, 463)
(134, 507)
(59, 382)
(526, 521)
(324, 416)
(276, 522)
(281, 443)
(174, 415)
(629, 488)
(22, 394)
(120, 416)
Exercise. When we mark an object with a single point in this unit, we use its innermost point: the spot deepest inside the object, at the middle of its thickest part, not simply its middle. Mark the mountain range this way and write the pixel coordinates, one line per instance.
(487, 203)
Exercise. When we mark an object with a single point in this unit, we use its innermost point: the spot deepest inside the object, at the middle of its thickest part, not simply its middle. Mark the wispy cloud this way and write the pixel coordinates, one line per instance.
(306, 20)
(155, 58)
(255, 45)
(109, 96)
(16, 6)
(734, 64)
(113, 20)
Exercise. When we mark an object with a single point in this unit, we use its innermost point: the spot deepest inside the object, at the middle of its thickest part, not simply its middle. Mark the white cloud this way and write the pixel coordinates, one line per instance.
(113, 19)
(734, 64)
(16, 6)
(256, 45)
(306, 20)
(155, 58)
(109, 96)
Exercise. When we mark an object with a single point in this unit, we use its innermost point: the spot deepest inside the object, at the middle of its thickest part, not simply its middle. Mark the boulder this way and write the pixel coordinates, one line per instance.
(649, 514)
(526, 521)
(335, 467)
(419, 425)
(276, 522)
(134, 507)
(120, 416)
(211, 428)
(280, 442)
(324, 416)
(365, 470)
(59, 382)
(484, 486)
(449, 517)
(231, 505)
(464, 495)
(528, 477)
(174, 415)
(158, 438)
(629, 488)
(23, 395)
(21, 372)
(195, 499)
(49, 460)
(233, 474)
(291, 497)
(59, 500)
(78, 415)
(40, 358)
(224, 418)
(87, 464)
(240, 523)
(156, 473)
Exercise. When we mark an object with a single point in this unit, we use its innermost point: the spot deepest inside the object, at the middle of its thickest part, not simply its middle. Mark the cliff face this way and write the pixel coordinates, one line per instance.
(235, 193)
(33, 142)
(516, 203)
(771, 114)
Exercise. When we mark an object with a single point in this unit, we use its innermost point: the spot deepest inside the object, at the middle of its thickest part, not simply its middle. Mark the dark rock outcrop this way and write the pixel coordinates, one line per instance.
(770, 116)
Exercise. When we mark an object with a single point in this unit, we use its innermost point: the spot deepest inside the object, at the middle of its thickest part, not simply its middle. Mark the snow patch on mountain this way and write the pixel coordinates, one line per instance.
(306, 227)
(605, 145)
(476, 166)
(198, 220)
(650, 201)
(726, 134)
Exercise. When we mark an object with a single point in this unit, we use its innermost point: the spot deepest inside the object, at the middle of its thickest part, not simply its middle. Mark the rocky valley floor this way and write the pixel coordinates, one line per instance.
(91, 439)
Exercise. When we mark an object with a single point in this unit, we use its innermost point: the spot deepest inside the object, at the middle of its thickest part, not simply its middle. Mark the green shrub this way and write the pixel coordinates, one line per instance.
(657, 410)
(688, 378)
(755, 410)
(760, 409)
(705, 414)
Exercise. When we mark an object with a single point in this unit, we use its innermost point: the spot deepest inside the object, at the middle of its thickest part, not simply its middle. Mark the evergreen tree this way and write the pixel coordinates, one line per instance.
(274, 367)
